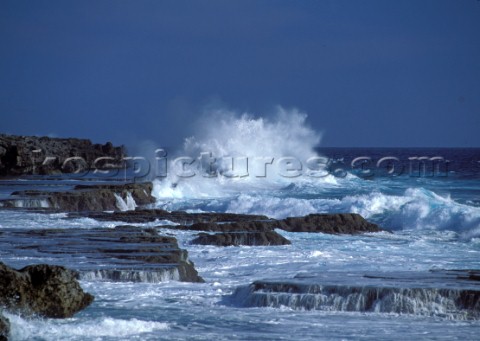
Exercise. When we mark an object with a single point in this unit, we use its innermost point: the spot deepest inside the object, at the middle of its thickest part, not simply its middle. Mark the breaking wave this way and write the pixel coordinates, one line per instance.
(232, 153)
(417, 208)
(219, 180)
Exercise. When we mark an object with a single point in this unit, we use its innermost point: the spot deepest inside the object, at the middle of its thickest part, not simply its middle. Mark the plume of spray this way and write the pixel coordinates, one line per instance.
(226, 133)
(233, 140)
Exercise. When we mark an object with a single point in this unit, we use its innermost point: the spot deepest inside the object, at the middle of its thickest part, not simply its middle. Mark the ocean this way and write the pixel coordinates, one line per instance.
(428, 197)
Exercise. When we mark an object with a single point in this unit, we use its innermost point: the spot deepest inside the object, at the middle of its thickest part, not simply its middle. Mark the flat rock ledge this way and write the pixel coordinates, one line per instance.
(180, 217)
(85, 198)
(44, 290)
(267, 238)
(451, 294)
(121, 254)
(337, 223)
(334, 223)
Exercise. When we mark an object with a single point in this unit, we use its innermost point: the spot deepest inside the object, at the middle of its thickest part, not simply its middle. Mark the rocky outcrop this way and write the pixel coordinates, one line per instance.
(267, 238)
(4, 327)
(85, 198)
(336, 223)
(239, 226)
(122, 254)
(22, 155)
(45, 290)
(179, 217)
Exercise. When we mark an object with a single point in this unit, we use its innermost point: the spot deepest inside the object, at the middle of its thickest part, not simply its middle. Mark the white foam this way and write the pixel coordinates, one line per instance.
(417, 208)
(31, 203)
(128, 204)
(131, 204)
(78, 329)
(145, 276)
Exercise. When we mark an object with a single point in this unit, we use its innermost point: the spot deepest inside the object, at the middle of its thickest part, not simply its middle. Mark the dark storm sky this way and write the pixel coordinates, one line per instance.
(368, 73)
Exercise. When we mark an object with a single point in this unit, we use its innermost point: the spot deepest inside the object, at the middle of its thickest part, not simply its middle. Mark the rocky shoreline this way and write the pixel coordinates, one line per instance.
(129, 253)
(125, 203)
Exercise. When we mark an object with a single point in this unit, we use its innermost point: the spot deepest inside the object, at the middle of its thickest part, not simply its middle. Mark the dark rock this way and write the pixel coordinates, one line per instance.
(4, 327)
(250, 226)
(241, 238)
(125, 253)
(45, 290)
(158, 249)
(469, 275)
(337, 223)
(179, 217)
(22, 155)
(83, 198)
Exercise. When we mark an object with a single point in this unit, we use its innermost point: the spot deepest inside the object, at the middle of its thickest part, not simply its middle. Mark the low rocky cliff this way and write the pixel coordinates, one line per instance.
(25, 155)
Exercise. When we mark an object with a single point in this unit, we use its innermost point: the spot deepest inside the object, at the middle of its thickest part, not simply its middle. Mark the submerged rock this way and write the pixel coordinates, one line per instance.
(241, 238)
(45, 290)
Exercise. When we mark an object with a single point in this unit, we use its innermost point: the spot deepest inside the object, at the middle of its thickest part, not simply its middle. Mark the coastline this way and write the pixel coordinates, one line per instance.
(115, 235)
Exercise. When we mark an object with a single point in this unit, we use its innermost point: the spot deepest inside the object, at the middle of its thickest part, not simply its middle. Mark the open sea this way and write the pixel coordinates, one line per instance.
(428, 198)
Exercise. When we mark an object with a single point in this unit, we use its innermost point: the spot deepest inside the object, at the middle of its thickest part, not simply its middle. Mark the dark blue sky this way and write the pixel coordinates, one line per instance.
(368, 73)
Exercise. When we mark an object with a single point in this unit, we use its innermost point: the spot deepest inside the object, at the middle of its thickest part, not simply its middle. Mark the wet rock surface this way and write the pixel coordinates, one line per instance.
(443, 293)
(179, 217)
(45, 290)
(125, 253)
(85, 198)
(4, 327)
(335, 223)
(25, 155)
(267, 238)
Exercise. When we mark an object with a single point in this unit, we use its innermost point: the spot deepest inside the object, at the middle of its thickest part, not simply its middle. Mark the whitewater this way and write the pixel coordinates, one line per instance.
(434, 215)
